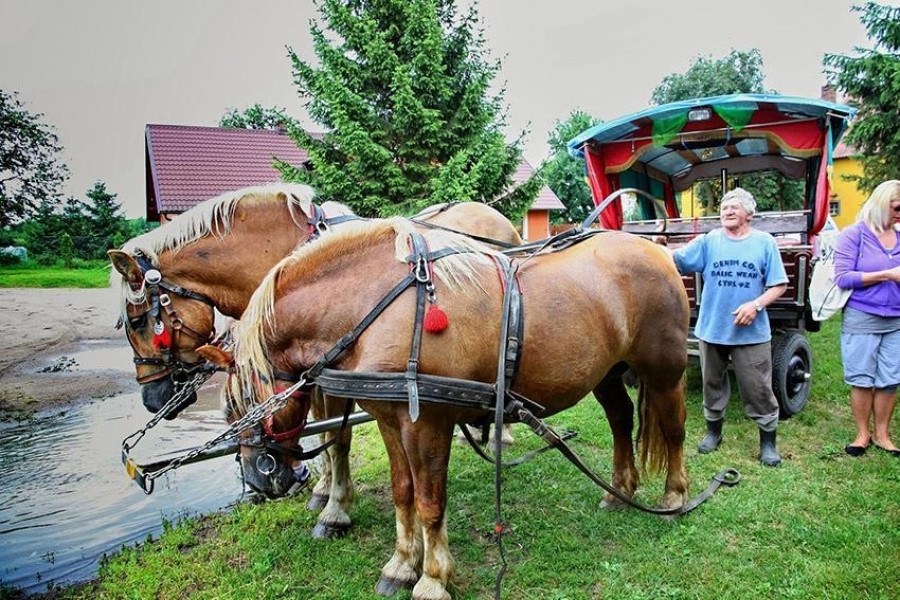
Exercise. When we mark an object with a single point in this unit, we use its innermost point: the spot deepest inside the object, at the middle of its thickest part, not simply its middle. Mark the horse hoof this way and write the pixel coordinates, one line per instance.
(388, 586)
(325, 531)
(613, 504)
(317, 502)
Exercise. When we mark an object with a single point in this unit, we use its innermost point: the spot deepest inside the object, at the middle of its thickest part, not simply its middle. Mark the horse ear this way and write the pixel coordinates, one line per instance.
(125, 264)
(216, 355)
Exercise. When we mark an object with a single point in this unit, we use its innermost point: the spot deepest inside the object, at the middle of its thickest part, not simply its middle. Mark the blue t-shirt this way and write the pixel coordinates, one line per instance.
(734, 272)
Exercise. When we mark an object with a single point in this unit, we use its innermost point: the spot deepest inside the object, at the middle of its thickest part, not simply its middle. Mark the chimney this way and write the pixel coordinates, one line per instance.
(828, 93)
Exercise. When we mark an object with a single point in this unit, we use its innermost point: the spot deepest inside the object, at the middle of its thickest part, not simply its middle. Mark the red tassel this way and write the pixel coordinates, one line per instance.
(436, 319)
(162, 340)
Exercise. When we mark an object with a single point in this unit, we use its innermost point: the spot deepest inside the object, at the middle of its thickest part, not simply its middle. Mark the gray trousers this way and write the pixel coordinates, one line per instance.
(753, 371)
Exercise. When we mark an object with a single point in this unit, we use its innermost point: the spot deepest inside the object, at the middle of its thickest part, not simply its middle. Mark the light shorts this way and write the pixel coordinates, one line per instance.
(871, 360)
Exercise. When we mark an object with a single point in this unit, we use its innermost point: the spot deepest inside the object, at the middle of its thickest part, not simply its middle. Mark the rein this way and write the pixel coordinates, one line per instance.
(321, 223)
(477, 238)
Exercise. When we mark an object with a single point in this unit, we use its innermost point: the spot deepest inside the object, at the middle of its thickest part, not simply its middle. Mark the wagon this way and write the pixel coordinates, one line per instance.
(657, 159)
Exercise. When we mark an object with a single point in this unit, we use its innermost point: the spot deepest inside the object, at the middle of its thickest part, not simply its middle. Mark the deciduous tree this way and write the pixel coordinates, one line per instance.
(30, 169)
(566, 175)
(739, 72)
(402, 94)
(871, 81)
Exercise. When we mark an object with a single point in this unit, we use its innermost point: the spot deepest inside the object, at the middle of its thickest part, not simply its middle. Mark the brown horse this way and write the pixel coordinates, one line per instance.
(214, 256)
(588, 309)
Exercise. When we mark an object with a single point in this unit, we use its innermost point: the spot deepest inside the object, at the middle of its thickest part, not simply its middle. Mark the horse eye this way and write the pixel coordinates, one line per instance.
(138, 322)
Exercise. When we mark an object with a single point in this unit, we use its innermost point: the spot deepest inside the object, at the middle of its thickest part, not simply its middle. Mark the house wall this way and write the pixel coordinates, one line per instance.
(536, 225)
(845, 192)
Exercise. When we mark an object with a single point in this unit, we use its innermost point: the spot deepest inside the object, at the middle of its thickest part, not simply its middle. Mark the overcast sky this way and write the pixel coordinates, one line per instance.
(101, 70)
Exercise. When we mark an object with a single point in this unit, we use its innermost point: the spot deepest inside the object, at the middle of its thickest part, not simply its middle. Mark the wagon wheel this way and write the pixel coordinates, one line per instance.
(792, 365)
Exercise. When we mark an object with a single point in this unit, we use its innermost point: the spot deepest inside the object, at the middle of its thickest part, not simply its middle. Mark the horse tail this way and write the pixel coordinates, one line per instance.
(650, 434)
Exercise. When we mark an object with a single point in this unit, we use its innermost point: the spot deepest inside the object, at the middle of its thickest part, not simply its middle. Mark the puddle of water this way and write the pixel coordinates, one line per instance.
(91, 355)
(65, 499)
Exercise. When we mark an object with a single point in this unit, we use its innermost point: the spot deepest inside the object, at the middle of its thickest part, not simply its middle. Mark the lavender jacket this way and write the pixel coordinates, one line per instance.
(858, 251)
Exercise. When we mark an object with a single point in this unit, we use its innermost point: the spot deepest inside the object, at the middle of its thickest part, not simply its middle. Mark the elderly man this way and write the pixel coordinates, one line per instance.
(742, 274)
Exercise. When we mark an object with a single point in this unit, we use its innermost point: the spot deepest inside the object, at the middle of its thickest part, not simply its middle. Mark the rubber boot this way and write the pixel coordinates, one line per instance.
(713, 437)
(768, 453)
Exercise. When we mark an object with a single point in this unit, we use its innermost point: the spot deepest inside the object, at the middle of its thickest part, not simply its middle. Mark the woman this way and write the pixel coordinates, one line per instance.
(867, 261)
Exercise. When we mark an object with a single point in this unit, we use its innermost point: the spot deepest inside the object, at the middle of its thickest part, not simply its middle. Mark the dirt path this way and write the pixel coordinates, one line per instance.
(39, 325)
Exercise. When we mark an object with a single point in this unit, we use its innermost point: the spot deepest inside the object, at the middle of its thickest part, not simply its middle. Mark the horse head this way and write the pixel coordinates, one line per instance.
(221, 247)
(164, 324)
(269, 446)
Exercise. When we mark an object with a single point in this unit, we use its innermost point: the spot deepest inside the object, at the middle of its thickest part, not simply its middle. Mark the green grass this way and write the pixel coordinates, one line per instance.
(823, 525)
(90, 274)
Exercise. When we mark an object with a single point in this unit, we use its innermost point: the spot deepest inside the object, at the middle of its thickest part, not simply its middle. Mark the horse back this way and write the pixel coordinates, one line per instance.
(478, 219)
(613, 298)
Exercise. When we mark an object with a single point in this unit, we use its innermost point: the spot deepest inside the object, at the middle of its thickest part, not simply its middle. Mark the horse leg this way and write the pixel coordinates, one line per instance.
(401, 571)
(506, 436)
(619, 409)
(320, 493)
(334, 520)
(428, 449)
(663, 417)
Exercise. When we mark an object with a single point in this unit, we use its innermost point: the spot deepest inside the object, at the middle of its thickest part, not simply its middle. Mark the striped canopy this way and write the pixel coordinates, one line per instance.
(671, 146)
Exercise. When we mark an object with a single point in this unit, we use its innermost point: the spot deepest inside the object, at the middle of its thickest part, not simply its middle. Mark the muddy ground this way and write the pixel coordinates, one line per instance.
(37, 328)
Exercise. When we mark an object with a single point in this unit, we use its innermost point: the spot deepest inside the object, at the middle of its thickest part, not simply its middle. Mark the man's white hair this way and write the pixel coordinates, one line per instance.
(748, 202)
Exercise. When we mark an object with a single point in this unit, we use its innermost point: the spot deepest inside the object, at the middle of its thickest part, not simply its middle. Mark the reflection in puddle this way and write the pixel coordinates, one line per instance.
(65, 499)
(91, 355)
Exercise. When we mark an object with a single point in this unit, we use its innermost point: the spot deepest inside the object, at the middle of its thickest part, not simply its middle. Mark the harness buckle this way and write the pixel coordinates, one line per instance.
(164, 300)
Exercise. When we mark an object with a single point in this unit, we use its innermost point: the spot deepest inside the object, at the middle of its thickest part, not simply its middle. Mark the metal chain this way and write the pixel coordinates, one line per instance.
(254, 416)
(183, 393)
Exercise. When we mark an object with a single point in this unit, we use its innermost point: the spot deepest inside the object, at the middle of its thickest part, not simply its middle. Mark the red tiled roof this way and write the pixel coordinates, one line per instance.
(842, 150)
(546, 199)
(186, 165)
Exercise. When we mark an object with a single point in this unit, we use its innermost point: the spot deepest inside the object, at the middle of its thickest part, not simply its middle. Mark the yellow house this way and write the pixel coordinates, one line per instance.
(846, 199)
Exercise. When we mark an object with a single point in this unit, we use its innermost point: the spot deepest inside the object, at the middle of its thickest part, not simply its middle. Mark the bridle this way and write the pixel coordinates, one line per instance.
(167, 337)
(266, 440)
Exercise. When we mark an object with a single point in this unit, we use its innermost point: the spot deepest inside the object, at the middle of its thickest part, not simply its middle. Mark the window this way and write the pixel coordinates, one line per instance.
(834, 208)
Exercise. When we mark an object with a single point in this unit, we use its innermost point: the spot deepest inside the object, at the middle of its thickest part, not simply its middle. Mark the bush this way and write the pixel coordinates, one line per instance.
(9, 259)
(46, 260)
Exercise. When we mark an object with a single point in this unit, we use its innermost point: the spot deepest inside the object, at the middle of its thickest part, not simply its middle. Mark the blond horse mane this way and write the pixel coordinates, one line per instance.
(252, 381)
(213, 216)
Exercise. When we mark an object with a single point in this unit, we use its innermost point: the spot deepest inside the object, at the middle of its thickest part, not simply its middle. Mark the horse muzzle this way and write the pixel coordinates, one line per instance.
(266, 473)
(156, 394)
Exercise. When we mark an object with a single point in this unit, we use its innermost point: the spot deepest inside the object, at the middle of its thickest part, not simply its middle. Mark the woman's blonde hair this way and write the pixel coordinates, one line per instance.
(876, 212)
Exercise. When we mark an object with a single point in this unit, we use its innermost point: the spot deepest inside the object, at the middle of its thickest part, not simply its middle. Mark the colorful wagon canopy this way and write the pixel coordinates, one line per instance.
(665, 149)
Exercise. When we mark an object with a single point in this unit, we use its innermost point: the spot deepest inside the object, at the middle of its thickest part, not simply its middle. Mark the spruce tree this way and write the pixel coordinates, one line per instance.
(107, 223)
(402, 94)
(871, 81)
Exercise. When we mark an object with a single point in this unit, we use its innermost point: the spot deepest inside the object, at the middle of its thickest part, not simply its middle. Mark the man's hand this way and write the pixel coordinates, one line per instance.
(744, 314)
